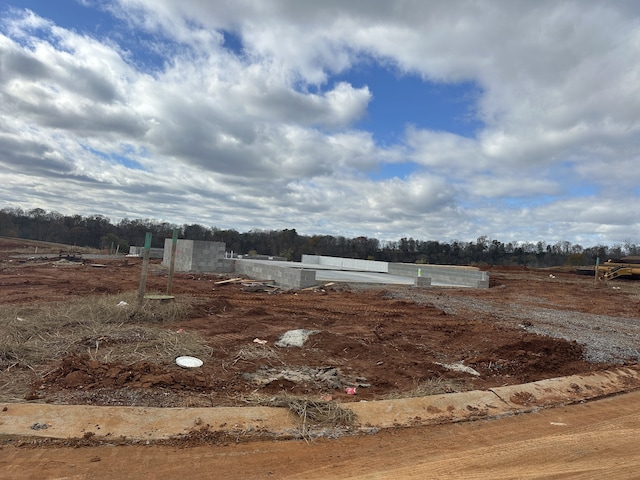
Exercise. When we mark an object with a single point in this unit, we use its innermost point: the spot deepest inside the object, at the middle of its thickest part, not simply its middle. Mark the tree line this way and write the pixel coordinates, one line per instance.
(98, 231)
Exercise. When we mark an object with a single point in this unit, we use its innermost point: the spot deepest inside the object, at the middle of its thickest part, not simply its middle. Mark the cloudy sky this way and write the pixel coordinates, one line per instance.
(438, 120)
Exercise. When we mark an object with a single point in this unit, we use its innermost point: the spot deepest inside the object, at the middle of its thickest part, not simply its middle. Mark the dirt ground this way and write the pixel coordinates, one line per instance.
(584, 441)
(383, 341)
(380, 340)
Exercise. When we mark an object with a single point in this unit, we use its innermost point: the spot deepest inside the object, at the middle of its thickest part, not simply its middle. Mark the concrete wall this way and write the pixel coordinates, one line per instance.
(347, 263)
(468, 277)
(263, 257)
(287, 277)
(465, 276)
(200, 256)
(153, 252)
(197, 256)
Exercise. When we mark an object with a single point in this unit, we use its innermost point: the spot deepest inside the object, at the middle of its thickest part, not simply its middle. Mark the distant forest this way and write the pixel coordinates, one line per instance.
(98, 231)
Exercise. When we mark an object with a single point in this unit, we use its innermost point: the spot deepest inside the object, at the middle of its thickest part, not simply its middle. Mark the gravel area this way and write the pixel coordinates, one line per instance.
(608, 339)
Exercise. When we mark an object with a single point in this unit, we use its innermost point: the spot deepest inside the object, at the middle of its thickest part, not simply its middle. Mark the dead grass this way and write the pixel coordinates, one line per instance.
(14, 384)
(321, 413)
(432, 386)
(253, 352)
(107, 328)
(313, 414)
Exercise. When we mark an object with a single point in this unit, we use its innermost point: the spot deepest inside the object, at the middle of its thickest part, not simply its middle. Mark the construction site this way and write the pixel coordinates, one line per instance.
(334, 358)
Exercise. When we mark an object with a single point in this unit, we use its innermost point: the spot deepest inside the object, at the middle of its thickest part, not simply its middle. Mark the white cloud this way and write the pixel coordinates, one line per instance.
(446, 151)
(267, 139)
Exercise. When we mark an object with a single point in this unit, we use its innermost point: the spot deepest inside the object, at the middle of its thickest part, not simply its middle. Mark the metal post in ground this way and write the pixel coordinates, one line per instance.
(172, 261)
(145, 267)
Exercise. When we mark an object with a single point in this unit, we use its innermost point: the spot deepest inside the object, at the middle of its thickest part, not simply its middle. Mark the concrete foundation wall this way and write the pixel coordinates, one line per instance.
(197, 256)
(263, 257)
(468, 277)
(347, 263)
(153, 252)
(201, 256)
(287, 277)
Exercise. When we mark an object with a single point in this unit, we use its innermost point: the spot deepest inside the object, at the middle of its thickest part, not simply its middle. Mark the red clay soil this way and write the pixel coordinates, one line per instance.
(366, 338)
(390, 338)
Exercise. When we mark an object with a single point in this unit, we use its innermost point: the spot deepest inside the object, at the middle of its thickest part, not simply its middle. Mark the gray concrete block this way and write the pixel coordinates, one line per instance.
(196, 255)
(423, 282)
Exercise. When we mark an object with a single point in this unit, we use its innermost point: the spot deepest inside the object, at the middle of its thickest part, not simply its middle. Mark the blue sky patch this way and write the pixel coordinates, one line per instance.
(115, 158)
(233, 43)
(390, 170)
(402, 100)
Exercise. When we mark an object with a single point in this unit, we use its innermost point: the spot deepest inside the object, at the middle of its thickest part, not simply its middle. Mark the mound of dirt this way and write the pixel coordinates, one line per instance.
(77, 372)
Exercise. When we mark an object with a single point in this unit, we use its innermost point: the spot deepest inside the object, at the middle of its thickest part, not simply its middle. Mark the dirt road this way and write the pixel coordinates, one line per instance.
(599, 439)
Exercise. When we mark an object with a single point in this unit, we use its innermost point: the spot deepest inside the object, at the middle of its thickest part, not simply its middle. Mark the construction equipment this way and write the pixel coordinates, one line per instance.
(624, 267)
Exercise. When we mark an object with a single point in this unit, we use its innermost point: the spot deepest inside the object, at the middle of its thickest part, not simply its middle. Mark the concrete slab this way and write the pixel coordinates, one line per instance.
(568, 389)
(446, 408)
(138, 423)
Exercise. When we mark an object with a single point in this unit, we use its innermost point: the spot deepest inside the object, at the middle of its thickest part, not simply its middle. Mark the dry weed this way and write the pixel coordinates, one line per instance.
(108, 328)
(15, 384)
(256, 352)
(432, 386)
(321, 413)
(312, 413)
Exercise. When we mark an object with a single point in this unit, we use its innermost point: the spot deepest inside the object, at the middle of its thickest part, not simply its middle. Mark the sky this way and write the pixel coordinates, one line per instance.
(431, 119)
